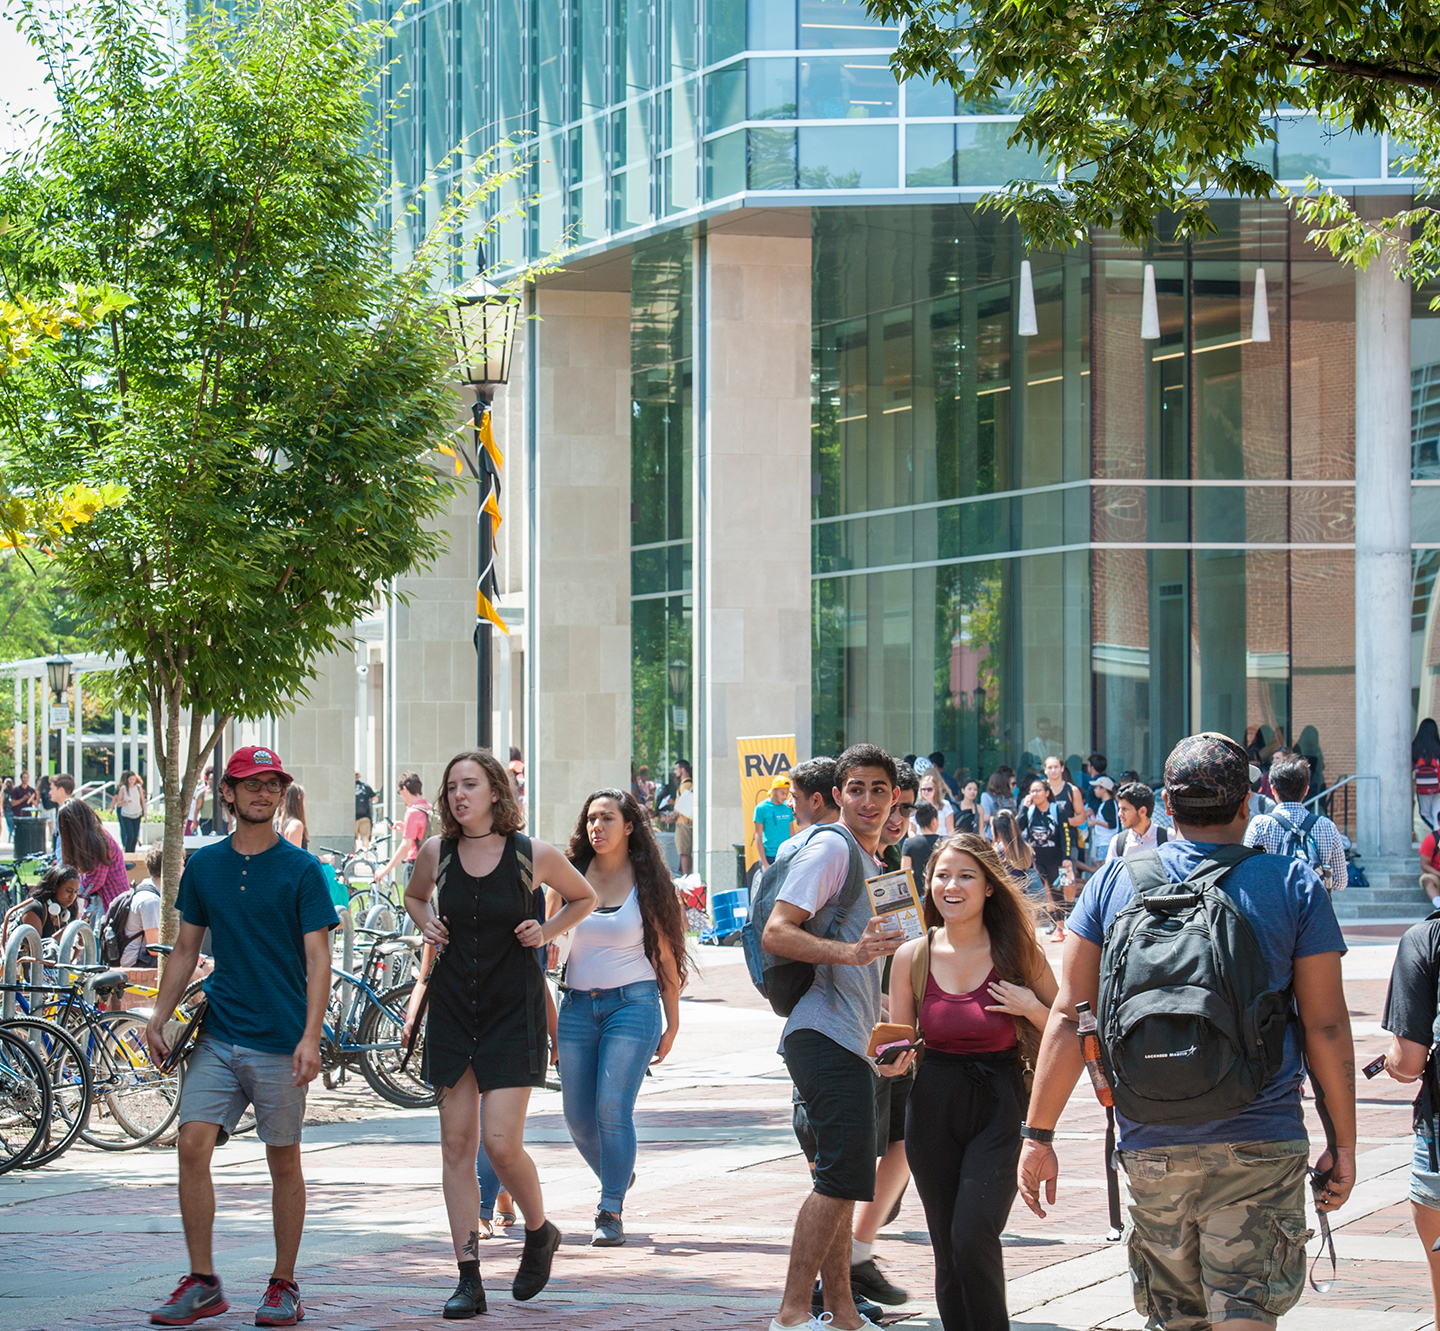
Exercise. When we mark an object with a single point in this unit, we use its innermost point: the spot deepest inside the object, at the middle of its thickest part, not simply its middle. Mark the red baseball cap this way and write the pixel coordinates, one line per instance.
(252, 760)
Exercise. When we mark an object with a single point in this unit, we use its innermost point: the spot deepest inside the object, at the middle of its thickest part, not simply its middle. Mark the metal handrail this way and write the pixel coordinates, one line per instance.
(26, 934)
(1314, 800)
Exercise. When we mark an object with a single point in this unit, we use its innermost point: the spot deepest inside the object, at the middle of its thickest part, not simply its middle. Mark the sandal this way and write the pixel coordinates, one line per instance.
(486, 1228)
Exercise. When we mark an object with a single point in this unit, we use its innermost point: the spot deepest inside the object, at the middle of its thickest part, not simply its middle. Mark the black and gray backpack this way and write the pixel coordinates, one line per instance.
(780, 980)
(1190, 1028)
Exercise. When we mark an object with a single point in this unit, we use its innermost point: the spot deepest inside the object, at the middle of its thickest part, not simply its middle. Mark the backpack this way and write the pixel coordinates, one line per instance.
(781, 981)
(1299, 844)
(1161, 837)
(1190, 1028)
(1427, 777)
(115, 935)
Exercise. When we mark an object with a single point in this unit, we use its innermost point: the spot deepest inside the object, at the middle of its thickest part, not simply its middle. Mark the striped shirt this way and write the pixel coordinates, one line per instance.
(1264, 831)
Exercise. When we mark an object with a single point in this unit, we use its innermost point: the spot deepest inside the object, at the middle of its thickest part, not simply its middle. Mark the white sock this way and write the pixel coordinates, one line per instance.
(859, 1252)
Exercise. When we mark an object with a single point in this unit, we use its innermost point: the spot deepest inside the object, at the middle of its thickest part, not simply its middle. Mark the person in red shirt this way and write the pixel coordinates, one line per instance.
(1430, 869)
(417, 823)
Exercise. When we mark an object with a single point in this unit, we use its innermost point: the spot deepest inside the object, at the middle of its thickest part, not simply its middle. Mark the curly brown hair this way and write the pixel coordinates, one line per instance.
(1009, 920)
(660, 911)
(506, 819)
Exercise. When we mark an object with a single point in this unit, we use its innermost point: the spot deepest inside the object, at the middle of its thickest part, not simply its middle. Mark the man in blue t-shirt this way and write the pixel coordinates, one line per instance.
(774, 821)
(269, 913)
(1217, 1208)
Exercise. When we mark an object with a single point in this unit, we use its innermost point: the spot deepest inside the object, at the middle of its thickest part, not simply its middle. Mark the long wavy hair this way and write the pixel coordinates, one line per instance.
(292, 809)
(1013, 849)
(661, 914)
(506, 819)
(83, 839)
(1009, 920)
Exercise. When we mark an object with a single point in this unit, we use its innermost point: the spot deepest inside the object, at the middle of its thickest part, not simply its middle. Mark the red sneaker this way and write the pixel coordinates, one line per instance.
(192, 1300)
(281, 1305)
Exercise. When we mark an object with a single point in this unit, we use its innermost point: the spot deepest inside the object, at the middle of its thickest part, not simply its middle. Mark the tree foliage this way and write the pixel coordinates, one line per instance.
(271, 390)
(1153, 106)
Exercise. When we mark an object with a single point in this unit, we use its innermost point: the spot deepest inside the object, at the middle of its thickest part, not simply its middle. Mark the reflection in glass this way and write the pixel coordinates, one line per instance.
(852, 157)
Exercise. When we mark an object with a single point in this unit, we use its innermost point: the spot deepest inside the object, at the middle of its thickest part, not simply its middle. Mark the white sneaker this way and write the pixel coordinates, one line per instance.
(777, 1325)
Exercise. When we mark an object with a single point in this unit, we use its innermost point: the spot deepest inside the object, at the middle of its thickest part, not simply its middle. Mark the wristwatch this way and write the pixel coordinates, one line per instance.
(1046, 1135)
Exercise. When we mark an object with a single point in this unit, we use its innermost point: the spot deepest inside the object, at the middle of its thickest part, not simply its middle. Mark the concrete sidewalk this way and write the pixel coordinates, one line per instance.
(96, 1240)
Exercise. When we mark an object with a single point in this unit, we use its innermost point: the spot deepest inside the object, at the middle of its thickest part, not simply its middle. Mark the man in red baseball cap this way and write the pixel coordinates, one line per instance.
(268, 909)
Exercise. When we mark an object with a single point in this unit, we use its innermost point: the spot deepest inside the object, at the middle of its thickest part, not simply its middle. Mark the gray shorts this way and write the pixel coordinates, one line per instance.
(222, 1079)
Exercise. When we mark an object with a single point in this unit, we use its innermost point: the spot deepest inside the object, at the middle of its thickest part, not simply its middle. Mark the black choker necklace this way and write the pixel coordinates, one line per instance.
(477, 836)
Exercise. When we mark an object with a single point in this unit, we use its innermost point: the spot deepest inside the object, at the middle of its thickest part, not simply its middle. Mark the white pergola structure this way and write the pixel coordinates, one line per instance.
(32, 721)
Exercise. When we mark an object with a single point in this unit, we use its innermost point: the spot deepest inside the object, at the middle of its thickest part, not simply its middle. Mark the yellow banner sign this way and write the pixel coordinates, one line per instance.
(762, 759)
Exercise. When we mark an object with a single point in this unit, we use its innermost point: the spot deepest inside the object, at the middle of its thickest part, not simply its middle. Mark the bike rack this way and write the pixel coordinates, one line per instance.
(24, 937)
(347, 939)
(381, 918)
(77, 931)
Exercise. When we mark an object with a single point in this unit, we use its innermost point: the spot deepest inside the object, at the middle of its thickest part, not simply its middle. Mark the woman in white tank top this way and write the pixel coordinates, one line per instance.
(627, 965)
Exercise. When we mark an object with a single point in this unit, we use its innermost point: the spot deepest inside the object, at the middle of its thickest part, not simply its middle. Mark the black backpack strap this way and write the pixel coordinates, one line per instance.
(1147, 872)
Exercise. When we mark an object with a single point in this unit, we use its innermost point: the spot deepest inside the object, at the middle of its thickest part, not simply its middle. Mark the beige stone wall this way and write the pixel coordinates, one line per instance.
(581, 582)
(755, 676)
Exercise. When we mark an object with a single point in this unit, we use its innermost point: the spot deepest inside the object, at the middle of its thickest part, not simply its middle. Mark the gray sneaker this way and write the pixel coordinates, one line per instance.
(192, 1300)
(609, 1232)
(281, 1305)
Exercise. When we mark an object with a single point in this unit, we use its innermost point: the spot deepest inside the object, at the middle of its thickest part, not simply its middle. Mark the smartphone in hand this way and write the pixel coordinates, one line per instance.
(887, 1054)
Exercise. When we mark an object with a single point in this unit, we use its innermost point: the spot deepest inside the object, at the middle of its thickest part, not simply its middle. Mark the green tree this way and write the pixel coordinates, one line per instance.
(1154, 106)
(270, 394)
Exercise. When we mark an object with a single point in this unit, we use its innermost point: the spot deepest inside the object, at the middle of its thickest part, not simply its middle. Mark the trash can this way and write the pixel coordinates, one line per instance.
(29, 837)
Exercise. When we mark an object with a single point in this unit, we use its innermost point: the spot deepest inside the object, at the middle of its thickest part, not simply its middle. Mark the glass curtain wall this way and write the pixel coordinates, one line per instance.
(988, 583)
(661, 509)
(951, 517)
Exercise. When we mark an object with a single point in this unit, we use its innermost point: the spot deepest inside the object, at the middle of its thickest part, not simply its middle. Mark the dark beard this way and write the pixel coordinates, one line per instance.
(234, 811)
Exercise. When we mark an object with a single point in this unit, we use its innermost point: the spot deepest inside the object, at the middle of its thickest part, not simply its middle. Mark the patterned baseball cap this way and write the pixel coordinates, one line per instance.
(1207, 771)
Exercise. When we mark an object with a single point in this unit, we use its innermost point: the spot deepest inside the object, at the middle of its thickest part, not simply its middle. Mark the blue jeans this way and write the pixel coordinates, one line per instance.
(489, 1184)
(607, 1038)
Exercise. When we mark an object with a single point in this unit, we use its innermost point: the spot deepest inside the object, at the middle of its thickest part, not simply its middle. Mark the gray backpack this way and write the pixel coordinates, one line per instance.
(1190, 1028)
(784, 982)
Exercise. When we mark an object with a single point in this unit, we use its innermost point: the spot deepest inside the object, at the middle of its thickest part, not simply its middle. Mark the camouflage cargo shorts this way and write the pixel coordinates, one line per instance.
(1217, 1232)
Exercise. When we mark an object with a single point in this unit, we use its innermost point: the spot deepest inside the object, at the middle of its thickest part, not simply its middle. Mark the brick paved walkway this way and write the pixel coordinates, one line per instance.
(96, 1240)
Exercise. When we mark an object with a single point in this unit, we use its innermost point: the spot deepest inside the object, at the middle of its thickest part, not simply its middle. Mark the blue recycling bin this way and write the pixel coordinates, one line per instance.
(731, 908)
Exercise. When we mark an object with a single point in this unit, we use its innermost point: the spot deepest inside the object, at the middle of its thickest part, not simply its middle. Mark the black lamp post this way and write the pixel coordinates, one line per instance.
(58, 669)
(483, 324)
(679, 693)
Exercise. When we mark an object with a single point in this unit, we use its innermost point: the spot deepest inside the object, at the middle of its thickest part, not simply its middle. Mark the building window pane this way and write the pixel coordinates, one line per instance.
(848, 157)
(725, 97)
(772, 89)
(724, 29)
(771, 25)
(929, 155)
(982, 157)
(923, 98)
(847, 88)
(828, 23)
(1308, 147)
(725, 165)
(772, 159)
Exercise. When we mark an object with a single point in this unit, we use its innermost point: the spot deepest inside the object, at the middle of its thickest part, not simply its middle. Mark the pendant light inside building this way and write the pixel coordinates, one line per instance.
(1260, 320)
(1026, 325)
(1149, 308)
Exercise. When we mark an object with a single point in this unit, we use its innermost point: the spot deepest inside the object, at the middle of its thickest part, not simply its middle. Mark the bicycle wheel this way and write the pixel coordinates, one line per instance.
(24, 1101)
(71, 1085)
(383, 1023)
(139, 1100)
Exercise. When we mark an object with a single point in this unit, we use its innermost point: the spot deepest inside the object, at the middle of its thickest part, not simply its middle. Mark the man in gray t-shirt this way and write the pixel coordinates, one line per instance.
(828, 1033)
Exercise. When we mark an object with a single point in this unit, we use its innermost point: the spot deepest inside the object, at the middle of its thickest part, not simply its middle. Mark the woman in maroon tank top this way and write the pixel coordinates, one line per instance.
(986, 1000)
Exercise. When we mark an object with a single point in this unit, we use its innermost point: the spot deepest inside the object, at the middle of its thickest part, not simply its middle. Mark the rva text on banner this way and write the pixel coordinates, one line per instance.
(762, 759)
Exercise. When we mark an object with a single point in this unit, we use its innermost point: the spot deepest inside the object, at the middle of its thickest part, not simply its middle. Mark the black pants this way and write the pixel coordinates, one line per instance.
(129, 831)
(962, 1134)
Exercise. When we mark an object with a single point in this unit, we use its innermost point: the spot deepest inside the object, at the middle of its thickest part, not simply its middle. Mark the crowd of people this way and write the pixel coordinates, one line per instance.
(950, 1056)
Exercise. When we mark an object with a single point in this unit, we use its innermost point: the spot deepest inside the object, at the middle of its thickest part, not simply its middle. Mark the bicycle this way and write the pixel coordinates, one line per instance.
(366, 1031)
(25, 1101)
(71, 1085)
(139, 1101)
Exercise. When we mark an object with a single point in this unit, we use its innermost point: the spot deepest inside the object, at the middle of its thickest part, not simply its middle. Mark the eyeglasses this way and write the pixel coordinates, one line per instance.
(254, 785)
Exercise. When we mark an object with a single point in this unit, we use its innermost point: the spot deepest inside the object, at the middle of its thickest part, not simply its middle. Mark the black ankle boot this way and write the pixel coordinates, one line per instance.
(467, 1300)
(534, 1272)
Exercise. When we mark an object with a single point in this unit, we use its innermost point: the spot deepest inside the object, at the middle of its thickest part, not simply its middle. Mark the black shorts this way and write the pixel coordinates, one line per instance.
(892, 1094)
(835, 1102)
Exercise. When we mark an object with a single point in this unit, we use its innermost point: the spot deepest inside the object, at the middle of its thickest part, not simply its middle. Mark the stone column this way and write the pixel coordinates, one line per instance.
(752, 516)
(1382, 551)
(579, 622)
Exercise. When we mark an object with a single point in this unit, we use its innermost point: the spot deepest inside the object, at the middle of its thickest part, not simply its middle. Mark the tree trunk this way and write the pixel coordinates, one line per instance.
(177, 804)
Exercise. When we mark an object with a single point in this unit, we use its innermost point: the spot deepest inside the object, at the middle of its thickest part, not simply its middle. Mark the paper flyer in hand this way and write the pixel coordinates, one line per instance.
(893, 897)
